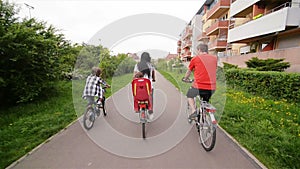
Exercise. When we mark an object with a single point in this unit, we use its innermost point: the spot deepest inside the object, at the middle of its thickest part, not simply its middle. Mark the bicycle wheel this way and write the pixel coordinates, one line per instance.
(104, 109)
(188, 111)
(89, 118)
(207, 133)
(144, 130)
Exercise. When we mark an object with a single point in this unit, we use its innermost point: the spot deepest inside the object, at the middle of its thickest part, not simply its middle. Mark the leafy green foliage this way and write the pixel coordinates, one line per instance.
(268, 64)
(126, 65)
(99, 56)
(229, 66)
(276, 85)
(31, 53)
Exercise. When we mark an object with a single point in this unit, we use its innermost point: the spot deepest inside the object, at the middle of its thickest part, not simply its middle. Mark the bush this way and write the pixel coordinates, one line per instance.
(268, 64)
(30, 53)
(275, 85)
(229, 66)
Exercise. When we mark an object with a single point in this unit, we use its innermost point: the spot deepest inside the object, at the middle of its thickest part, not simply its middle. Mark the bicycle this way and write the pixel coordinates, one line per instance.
(93, 111)
(205, 121)
(143, 115)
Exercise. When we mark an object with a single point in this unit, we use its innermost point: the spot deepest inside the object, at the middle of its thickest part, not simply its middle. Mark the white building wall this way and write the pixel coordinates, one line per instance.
(270, 23)
(197, 30)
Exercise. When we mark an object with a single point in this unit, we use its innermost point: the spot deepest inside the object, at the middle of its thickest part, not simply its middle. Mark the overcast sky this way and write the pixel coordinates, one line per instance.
(84, 20)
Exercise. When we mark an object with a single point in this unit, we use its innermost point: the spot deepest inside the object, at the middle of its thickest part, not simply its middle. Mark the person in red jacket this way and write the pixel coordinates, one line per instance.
(204, 66)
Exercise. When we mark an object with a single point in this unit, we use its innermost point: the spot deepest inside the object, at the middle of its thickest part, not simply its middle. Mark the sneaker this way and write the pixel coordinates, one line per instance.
(193, 116)
(151, 116)
(97, 112)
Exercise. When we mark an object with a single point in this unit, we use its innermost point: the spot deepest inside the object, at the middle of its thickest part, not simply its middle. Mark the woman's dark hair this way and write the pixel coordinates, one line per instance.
(143, 64)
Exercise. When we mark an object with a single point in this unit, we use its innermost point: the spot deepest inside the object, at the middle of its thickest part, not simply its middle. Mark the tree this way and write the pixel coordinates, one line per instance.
(30, 56)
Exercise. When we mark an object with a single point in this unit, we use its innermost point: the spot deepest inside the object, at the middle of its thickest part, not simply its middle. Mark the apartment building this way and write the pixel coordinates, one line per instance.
(237, 30)
(216, 24)
(264, 25)
(189, 38)
(267, 29)
(185, 44)
(210, 26)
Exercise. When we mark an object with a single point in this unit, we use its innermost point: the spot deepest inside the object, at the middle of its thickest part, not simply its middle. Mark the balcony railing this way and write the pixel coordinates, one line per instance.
(186, 54)
(202, 36)
(218, 9)
(287, 4)
(187, 43)
(179, 43)
(219, 43)
(271, 23)
(178, 49)
(213, 29)
(187, 33)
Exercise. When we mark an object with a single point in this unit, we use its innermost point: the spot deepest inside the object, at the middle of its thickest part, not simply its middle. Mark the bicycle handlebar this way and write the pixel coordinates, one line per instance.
(187, 80)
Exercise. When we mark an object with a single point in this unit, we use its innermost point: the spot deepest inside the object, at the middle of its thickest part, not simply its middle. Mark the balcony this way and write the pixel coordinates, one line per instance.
(186, 55)
(272, 22)
(187, 44)
(240, 8)
(178, 49)
(187, 33)
(179, 43)
(218, 44)
(215, 27)
(202, 37)
(218, 9)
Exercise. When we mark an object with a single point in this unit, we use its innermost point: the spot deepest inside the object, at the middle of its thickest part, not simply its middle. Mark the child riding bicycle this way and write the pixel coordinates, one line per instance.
(141, 90)
(93, 88)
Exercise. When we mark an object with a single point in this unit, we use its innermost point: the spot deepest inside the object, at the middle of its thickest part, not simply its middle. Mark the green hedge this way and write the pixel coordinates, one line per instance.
(275, 85)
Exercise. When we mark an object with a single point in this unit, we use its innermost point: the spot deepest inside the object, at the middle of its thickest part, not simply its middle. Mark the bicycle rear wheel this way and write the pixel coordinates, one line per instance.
(89, 118)
(188, 111)
(207, 133)
(144, 130)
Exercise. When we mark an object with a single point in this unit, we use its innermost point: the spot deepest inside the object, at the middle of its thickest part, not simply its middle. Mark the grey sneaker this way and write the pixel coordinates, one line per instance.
(193, 116)
(151, 116)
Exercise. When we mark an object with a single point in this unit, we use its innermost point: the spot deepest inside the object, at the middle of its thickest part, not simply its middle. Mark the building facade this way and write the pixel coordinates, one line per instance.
(236, 28)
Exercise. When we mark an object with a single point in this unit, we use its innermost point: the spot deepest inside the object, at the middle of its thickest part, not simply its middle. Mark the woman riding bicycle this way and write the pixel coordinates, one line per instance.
(204, 66)
(148, 71)
(93, 88)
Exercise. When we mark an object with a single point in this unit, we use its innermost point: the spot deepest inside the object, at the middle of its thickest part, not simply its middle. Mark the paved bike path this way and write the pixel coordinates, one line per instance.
(115, 141)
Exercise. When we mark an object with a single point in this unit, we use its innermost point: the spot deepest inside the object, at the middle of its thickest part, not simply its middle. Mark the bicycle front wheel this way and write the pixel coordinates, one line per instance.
(207, 133)
(89, 118)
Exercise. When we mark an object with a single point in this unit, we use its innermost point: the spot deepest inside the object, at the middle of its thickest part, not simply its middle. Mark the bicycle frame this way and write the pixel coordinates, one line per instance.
(143, 111)
(206, 108)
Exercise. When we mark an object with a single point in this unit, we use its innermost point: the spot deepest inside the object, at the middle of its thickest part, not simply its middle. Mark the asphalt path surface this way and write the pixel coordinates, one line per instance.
(115, 141)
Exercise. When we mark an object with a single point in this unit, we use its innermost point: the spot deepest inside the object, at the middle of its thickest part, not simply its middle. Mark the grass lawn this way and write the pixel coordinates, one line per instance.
(25, 126)
(269, 129)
